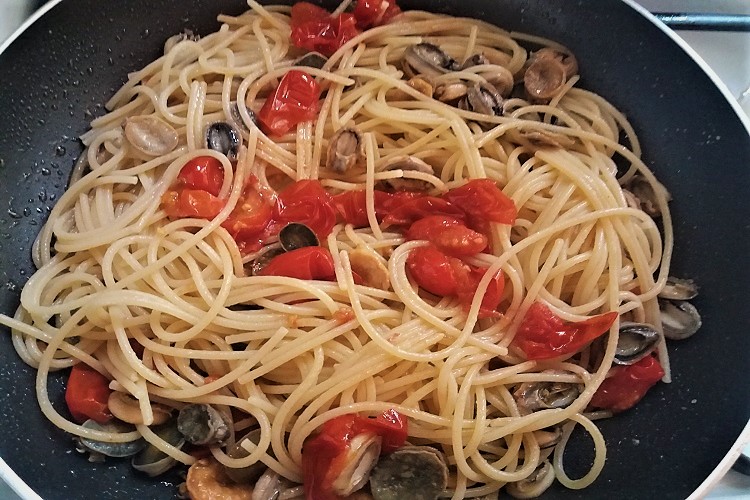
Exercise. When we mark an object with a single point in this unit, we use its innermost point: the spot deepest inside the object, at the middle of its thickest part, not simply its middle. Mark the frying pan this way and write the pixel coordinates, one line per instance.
(60, 70)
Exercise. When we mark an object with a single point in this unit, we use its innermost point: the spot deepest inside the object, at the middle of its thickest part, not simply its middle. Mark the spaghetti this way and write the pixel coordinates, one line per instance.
(167, 308)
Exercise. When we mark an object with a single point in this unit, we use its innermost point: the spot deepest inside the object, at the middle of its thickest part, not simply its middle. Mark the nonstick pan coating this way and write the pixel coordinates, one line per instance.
(59, 72)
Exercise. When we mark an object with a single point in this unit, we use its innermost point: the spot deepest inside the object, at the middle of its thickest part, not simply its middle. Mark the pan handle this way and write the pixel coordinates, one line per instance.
(704, 22)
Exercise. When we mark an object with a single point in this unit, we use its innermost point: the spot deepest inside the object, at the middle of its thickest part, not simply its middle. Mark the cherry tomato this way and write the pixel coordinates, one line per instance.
(307, 263)
(627, 385)
(467, 287)
(313, 28)
(433, 270)
(86, 394)
(482, 201)
(191, 203)
(407, 209)
(449, 235)
(543, 335)
(324, 456)
(371, 13)
(294, 101)
(308, 203)
(203, 172)
(352, 206)
(248, 221)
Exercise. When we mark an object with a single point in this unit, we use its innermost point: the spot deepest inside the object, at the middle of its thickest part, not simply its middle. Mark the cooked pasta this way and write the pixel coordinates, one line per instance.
(168, 309)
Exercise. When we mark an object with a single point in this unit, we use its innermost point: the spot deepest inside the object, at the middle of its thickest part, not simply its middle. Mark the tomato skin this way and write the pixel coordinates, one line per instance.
(481, 200)
(323, 456)
(249, 220)
(313, 28)
(307, 263)
(407, 210)
(294, 101)
(467, 287)
(543, 335)
(449, 235)
(371, 13)
(433, 270)
(191, 203)
(203, 172)
(351, 206)
(627, 385)
(308, 203)
(86, 394)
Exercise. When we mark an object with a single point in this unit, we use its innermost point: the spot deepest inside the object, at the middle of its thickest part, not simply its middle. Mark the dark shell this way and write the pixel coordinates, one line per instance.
(202, 424)
(312, 60)
(414, 472)
(295, 235)
(152, 461)
(224, 138)
(636, 341)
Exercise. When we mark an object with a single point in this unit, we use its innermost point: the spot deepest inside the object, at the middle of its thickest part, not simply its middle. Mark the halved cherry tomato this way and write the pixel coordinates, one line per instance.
(417, 207)
(313, 28)
(294, 101)
(433, 270)
(352, 206)
(307, 263)
(627, 385)
(467, 287)
(308, 203)
(543, 335)
(449, 235)
(86, 394)
(324, 455)
(371, 13)
(203, 172)
(248, 221)
(482, 201)
(191, 203)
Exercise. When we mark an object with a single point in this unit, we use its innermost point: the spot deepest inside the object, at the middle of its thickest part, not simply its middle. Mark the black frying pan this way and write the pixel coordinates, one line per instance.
(58, 73)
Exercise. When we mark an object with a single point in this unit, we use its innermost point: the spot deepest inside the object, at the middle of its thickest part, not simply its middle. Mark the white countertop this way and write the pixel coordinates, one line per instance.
(728, 54)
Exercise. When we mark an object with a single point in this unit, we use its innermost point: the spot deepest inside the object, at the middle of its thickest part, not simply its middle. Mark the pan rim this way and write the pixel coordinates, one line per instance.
(9, 476)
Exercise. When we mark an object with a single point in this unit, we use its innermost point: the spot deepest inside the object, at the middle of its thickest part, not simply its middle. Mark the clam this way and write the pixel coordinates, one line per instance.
(151, 135)
(679, 289)
(544, 78)
(248, 474)
(345, 150)
(549, 437)
(203, 424)
(408, 163)
(567, 59)
(296, 235)
(679, 319)
(99, 449)
(534, 396)
(224, 138)
(426, 59)
(475, 60)
(635, 342)
(534, 485)
(370, 268)
(483, 98)
(312, 60)
(263, 259)
(152, 461)
(450, 92)
(126, 408)
(544, 139)
(420, 83)
(361, 457)
(414, 472)
(268, 486)
(236, 117)
(645, 193)
(499, 77)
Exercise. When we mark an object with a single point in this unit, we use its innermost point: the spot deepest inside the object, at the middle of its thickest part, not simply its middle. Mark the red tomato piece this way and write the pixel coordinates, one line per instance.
(371, 13)
(294, 101)
(203, 172)
(627, 385)
(352, 206)
(191, 203)
(406, 210)
(433, 270)
(86, 394)
(248, 221)
(449, 235)
(308, 203)
(307, 263)
(313, 28)
(324, 455)
(481, 200)
(543, 335)
(467, 287)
